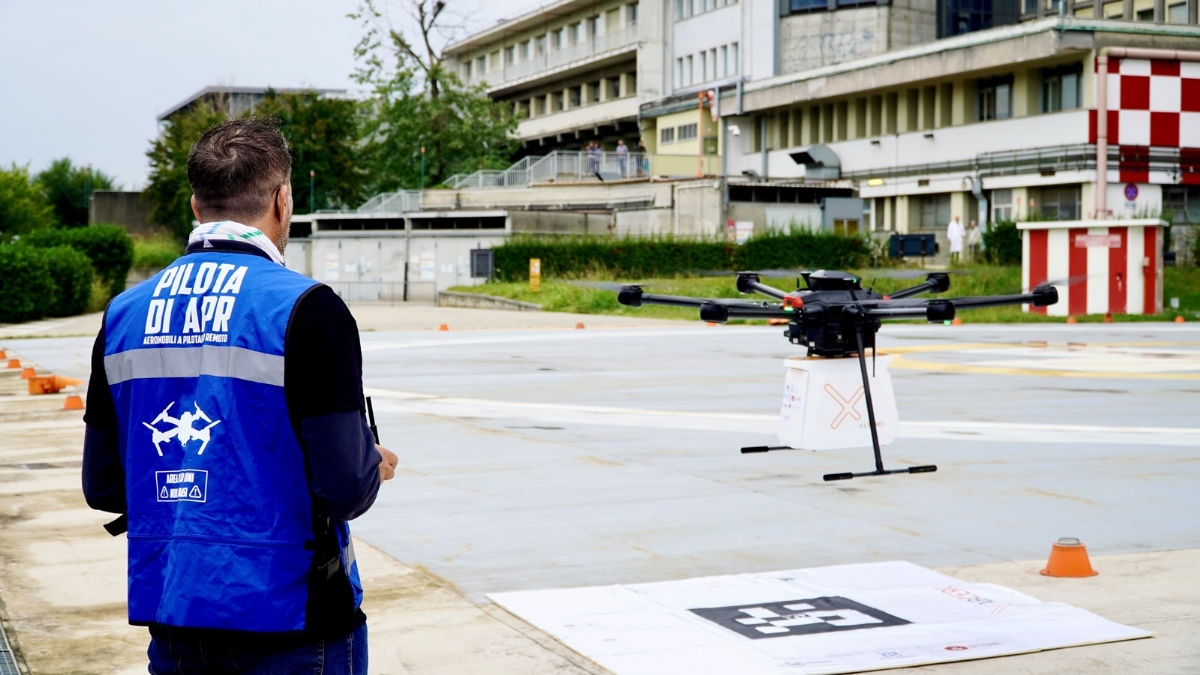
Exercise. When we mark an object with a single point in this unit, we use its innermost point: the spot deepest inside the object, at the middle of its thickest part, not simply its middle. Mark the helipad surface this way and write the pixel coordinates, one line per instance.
(558, 458)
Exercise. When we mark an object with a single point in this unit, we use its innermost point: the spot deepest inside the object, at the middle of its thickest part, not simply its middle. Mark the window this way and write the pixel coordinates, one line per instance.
(594, 90)
(798, 6)
(683, 9)
(1002, 206)
(1177, 13)
(468, 70)
(573, 33)
(687, 131)
(510, 55)
(935, 211)
(967, 16)
(1030, 6)
(725, 61)
(712, 58)
(593, 27)
(631, 14)
(1145, 14)
(539, 45)
(556, 40)
(1060, 202)
(480, 66)
(1060, 88)
(691, 72)
(704, 66)
(614, 87)
(524, 49)
(666, 135)
(994, 100)
(678, 73)
(733, 57)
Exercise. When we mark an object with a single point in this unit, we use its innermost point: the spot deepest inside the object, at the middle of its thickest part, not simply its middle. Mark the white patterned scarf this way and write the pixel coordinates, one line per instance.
(229, 230)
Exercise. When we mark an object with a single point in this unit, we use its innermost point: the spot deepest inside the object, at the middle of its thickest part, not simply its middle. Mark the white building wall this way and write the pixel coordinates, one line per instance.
(379, 256)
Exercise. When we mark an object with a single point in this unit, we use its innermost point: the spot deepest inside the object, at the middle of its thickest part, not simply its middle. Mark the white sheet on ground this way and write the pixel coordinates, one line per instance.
(840, 619)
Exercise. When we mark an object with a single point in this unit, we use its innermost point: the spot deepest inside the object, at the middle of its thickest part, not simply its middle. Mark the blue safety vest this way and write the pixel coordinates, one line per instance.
(221, 521)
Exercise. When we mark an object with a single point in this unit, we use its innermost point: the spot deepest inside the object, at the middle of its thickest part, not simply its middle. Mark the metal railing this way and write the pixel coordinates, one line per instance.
(1077, 157)
(389, 292)
(560, 166)
(553, 58)
(404, 201)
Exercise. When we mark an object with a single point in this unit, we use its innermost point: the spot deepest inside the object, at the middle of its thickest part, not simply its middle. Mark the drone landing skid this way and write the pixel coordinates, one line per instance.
(879, 470)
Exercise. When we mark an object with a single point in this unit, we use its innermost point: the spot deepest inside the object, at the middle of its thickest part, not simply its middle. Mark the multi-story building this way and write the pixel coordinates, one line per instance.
(570, 69)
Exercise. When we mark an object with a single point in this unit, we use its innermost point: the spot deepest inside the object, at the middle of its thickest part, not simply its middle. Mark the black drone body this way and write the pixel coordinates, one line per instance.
(835, 317)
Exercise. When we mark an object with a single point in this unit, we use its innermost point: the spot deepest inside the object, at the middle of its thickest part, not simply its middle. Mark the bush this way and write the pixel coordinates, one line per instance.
(1002, 244)
(155, 253)
(71, 275)
(107, 246)
(657, 257)
(27, 284)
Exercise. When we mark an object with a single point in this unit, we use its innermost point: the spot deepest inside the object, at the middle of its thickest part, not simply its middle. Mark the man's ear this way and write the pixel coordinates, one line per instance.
(281, 200)
(196, 210)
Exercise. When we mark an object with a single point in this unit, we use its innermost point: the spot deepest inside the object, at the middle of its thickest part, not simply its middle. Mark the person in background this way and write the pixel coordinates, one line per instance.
(622, 156)
(955, 233)
(643, 159)
(593, 158)
(973, 237)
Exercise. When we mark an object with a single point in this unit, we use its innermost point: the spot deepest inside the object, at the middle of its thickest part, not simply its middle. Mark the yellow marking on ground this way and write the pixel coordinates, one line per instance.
(904, 363)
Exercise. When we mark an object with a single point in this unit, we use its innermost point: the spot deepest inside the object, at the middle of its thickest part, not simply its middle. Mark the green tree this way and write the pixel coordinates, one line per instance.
(168, 189)
(23, 203)
(323, 135)
(69, 189)
(419, 104)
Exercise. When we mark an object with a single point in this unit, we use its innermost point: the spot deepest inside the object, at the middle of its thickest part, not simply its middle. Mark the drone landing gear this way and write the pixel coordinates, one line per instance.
(879, 470)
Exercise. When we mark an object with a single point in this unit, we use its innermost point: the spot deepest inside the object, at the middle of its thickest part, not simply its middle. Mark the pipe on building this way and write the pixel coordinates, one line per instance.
(1101, 198)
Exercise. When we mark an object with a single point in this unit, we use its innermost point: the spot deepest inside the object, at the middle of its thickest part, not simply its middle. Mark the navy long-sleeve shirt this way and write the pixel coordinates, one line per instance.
(323, 388)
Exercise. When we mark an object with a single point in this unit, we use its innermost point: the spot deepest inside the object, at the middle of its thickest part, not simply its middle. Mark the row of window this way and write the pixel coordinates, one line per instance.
(1062, 89)
(688, 8)
(577, 96)
(707, 65)
(681, 133)
(554, 40)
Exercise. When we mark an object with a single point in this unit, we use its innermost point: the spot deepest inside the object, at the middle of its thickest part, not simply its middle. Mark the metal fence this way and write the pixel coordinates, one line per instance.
(560, 166)
(405, 201)
(390, 292)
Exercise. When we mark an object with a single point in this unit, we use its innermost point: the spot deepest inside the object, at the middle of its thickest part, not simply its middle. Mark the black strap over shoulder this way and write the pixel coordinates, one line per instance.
(119, 526)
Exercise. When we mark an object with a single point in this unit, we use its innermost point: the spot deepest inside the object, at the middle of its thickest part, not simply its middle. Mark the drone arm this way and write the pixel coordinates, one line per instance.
(750, 283)
(1042, 296)
(935, 282)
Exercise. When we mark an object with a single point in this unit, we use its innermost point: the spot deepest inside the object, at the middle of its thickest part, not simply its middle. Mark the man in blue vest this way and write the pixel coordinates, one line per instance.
(225, 422)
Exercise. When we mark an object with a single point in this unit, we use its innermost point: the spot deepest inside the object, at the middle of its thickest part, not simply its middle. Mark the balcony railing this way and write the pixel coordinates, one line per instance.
(560, 166)
(405, 201)
(567, 54)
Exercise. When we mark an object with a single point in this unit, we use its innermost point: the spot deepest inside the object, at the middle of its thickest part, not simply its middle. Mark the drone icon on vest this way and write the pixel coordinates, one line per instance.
(183, 429)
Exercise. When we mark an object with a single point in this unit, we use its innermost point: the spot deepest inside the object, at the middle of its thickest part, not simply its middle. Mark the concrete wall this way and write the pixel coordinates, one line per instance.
(380, 256)
(818, 39)
(126, 209)
(563, 222)
(698, 209)
(643, 222)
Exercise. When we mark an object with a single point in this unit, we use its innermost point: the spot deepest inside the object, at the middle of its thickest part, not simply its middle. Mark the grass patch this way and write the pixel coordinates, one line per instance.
(563, 296)
(155, 252)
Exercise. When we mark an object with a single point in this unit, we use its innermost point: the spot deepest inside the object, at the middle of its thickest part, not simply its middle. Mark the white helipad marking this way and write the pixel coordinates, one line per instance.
(1091, 359)
(564, 414)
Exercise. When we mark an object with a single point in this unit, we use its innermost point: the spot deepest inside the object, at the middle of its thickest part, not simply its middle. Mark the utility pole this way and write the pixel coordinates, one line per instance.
(312, 197)
(422, 167)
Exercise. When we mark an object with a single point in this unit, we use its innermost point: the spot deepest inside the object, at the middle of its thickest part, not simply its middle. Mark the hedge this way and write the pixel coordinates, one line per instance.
(43, 282)
(658, 257)
(108, 247)
(1002, 244)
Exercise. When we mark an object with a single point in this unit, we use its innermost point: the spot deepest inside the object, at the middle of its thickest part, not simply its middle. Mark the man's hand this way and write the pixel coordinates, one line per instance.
(387, 465)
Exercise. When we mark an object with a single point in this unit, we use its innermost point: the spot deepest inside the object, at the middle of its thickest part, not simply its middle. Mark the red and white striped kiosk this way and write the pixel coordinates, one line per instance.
(1112, 265)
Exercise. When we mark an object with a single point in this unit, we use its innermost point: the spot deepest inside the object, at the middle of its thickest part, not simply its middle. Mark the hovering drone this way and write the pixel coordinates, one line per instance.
(836, 319)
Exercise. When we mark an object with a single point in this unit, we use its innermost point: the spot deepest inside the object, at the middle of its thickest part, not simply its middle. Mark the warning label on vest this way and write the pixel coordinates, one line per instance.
(187, 485)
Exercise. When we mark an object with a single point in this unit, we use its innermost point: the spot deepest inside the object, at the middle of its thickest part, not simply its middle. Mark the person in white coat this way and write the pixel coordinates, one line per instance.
(955, 233)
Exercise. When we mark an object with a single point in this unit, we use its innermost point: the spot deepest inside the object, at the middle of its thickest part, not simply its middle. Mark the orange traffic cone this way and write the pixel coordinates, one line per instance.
(956, 322)
(14, 363)
(443, 327)
(1069, 558)
(73, 402)
(28, 373)
(1178, 319)
(51, 384)
(710, 324)
(1071, 319)
(579, 326)
(3, 355)
(1108, 317)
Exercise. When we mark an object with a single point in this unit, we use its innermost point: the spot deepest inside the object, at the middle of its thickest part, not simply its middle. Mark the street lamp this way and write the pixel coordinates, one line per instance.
(422, 167)
(312, 197)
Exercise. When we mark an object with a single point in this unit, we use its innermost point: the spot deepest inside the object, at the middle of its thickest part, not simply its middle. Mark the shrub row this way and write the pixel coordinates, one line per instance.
(108, 247)
(54, 281)
(659, 257)
(1002, 244)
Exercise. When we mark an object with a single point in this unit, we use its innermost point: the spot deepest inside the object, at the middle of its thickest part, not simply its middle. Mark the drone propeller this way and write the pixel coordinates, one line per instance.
(768, 274)
(909, 273)
(1069, 281)
(606, 285)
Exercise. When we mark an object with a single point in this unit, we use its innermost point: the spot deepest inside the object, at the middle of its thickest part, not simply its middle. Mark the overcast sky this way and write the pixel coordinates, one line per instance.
(87, 78)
